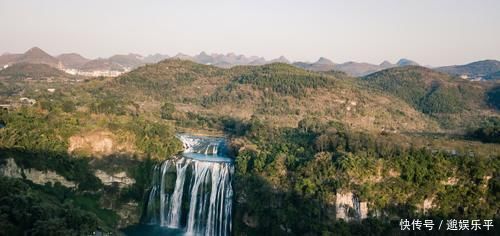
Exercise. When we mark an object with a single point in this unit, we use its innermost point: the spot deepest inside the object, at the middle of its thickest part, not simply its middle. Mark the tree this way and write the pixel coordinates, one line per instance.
(167, 110)
(68, 106)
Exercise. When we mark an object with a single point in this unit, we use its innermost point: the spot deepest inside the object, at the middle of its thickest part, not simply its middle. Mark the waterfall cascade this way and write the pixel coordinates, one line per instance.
(193, 192)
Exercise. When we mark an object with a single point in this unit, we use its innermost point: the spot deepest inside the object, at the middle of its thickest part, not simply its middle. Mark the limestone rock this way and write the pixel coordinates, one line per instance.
(348, 207)
(120, 178)
(99, 143)
(10, 169)
(129, 214)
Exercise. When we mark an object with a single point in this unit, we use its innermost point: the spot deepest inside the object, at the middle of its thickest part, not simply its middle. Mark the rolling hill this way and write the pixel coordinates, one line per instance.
(322, 64)
(359, 69)
(280, 93)
(493, 76)
(8, 58)
(406, 62)
(129, 60)
(34, 55)
(411, 98)
(72, 60)
(474, 69)
(434, 93)
(154, 58)
(101, 64)
(34, 71)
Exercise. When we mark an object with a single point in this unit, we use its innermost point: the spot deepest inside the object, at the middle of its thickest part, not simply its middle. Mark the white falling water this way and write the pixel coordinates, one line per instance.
(207, 146)
(192, 193)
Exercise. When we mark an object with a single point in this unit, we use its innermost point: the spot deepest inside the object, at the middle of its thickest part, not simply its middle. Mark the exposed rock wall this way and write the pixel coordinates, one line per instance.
(99, 143)
(129, 214)
(121, 178)
(348, 207)
(10, 169)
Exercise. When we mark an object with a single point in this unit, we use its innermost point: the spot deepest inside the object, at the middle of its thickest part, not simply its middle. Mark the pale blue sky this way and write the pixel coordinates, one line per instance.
(435, 32)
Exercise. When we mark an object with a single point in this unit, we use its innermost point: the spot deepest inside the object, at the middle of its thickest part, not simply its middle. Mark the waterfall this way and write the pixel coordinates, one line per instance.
(193, 192)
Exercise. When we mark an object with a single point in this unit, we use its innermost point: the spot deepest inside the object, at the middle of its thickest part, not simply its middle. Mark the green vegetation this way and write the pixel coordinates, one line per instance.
(72, 168)
(428, 91)
(441, 100)
(108, 106)
(489, 132)
(493, 97)
(284, 79)
(451, 101)
(34, 71)
(155, 139)
(38, 139)
(48, 210)
(291, 176)
(493, 76)
(167, 110)
(161, 78)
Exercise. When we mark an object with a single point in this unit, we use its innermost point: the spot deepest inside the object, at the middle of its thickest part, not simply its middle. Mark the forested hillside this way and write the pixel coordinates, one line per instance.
(288, 179)
(452, 101)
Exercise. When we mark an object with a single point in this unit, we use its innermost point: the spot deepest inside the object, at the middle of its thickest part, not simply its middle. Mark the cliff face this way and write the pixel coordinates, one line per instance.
(100, 143)
(129, 213)
(348, 207)
(121, 179)
(10, 169)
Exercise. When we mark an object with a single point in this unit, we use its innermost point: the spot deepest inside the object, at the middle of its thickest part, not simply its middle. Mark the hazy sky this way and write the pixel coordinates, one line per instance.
(435, 32)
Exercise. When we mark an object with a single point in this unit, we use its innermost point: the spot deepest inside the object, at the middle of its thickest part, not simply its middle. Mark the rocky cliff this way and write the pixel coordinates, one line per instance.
(121, 179)
(10, 169)
(348, 207)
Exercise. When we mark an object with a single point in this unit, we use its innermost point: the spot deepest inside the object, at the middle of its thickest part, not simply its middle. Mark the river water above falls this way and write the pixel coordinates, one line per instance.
(191, 194)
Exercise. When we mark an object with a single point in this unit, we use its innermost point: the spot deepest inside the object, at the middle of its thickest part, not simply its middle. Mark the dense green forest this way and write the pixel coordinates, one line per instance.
(489, 131)
(49, 210)
(284, 79)
(429, 91)
(289, 176)
(37, 139)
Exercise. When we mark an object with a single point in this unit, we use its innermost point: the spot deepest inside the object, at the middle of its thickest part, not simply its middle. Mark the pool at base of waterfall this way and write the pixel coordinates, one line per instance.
(142, 230)
(190, 194)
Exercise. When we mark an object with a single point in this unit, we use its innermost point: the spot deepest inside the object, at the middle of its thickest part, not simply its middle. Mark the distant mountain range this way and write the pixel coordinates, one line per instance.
(225, 60)
(33, 56)
(487, 69)
(352, 68)
(74, 63)
(72, 60)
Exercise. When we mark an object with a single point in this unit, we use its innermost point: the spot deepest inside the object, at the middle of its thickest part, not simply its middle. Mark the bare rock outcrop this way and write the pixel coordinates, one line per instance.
(10, 169)
(99, 143)
(121, 178)
(348, 207)
(129, 214)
